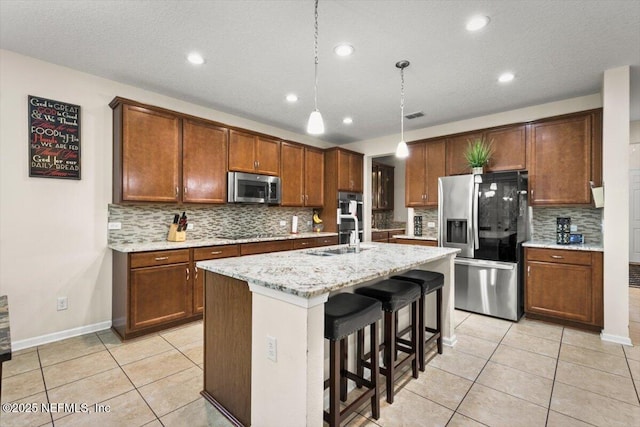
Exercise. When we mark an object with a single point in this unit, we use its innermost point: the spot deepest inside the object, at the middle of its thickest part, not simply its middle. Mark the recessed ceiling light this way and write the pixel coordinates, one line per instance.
(195, 58)
(292, 97)
(505, 77)
(347, 120)
(477, 22)
(343, 49)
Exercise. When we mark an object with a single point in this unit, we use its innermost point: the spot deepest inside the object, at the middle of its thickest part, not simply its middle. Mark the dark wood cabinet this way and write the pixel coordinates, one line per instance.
(425, 164)
(147, 155)
(386, 236)
(382, 186)
(302, 176)
(314, 242)
(564, 285)
(404, 241)
(456, 147)
(343, 171)
(204, 254)
(204, 163)
(566, 153)
(162, 156)
(250, 152)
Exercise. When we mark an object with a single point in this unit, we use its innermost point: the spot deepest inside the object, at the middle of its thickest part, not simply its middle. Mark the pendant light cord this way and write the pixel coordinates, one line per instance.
(402, 104)
(315, 49)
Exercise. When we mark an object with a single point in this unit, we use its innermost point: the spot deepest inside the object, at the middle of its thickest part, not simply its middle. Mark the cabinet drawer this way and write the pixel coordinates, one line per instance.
(559, 256)
(327, 241)
(380, 236)
(305, 243)
(263, 247)
(417, 242)
(150, 259)
(215, 252)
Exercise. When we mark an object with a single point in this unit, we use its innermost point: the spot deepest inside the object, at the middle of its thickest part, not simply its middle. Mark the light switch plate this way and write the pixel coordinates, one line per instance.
(574, 227)
(115, 226)
(272, 348)
(283, 223)
(190, 226)
(431, 224)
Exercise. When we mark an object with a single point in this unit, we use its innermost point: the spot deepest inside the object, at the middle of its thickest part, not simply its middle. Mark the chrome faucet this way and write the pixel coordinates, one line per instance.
(356, 231)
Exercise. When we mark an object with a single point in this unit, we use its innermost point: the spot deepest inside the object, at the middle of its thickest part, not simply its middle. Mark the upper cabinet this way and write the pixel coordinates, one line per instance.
(204, 162)
(509, 149)
(349, 168)
(565, 153)
(382, 184)
(253, 153)
(425, 164)
(159, 156)
(302, 175)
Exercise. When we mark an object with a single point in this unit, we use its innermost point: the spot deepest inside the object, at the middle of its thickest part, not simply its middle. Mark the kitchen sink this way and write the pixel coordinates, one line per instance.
(339, 251)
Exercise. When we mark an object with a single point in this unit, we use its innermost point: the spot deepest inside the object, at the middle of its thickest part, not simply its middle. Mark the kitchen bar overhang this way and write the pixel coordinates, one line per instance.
(280, 298)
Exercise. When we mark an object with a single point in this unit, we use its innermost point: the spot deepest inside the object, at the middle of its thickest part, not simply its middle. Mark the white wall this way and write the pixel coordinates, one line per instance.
(615, 177)
(53, 233)
(634, 145)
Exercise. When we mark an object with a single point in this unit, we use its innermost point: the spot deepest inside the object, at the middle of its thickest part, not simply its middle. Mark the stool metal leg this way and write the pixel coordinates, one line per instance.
(359, 356)
(389, 352)
(343, 359)
(421, 326)
(414, 337)
(439, 319)
(375, 371)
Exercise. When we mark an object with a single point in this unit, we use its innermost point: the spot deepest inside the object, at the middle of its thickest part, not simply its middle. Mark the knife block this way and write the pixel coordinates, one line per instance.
(175, 235)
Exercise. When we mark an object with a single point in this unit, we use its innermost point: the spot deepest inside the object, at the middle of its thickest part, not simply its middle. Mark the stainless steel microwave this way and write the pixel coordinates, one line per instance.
(253, 188)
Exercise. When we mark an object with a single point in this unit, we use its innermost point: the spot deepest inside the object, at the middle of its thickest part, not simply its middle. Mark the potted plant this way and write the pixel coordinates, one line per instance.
(478, 154)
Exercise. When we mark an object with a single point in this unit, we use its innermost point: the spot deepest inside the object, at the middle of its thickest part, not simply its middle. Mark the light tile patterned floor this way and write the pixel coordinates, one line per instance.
(499, 374)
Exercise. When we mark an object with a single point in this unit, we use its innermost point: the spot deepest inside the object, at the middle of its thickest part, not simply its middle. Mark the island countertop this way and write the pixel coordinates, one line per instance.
(306, 274)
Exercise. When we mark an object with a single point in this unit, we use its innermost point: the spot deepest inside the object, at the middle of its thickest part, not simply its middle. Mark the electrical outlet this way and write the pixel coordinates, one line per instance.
(431, 224)
(308, 222)
(62, 303)
(272, 348)
(190, 226)
(283, 223)
(115, 226)
(574, 227)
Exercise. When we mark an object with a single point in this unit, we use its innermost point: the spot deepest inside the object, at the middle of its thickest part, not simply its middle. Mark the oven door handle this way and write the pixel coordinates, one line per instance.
(485, 263)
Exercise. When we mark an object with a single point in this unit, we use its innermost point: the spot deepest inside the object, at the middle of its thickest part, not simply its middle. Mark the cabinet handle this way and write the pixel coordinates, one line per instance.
(528, 271)
(306, 197)
(185, 190)
(177, 191)
(196, 276)
(187, 274)
(304, 243)
(557, 256)
(216, 252)
(162, 258)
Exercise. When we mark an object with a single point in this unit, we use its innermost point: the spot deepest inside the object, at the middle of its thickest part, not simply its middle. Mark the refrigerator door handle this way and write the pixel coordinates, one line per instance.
(474, 226)
(483, 263)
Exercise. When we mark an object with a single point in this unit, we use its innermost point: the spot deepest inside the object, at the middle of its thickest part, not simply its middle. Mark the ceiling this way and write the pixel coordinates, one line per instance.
(256, 52)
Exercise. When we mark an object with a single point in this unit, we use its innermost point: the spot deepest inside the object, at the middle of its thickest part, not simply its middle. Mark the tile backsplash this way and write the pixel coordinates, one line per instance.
(150, 223)
(428, 215)
(588, 220)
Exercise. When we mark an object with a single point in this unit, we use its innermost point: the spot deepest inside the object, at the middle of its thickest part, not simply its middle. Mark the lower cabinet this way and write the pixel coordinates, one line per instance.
(157, 290)
(564, 285)
(416, 242)
(385, 236)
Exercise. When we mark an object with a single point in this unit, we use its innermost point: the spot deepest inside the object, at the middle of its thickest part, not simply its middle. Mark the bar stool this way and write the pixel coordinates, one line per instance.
(345, 314)
(429, 281)
(394, 295)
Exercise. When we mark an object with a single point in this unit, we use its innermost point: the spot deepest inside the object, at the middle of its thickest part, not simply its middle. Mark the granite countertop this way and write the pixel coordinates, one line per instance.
(5, 334)
(164, 245)
(406, 236)
(389, 229)
(550, 244)
(306, 275)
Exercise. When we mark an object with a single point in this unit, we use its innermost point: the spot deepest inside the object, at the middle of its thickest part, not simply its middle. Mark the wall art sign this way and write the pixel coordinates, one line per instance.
(54, 139)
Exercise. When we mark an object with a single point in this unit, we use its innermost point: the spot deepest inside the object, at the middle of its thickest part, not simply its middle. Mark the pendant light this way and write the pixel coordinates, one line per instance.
(402, 151)
(315, 126)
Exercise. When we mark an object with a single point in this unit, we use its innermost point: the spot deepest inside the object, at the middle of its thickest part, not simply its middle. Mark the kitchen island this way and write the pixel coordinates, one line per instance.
(264, 324)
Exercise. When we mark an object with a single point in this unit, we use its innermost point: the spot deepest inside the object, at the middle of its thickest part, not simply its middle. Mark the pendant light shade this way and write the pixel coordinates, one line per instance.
(315, 126)
(402, 151)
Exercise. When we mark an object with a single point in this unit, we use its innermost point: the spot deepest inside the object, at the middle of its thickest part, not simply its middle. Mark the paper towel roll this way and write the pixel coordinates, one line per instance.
(294, 224)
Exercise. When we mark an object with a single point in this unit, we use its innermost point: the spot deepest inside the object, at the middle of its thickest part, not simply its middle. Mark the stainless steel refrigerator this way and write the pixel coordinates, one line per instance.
(486, 216)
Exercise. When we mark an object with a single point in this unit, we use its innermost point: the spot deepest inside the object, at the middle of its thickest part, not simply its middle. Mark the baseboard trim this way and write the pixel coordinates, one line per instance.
(61, 335)
(616, 339)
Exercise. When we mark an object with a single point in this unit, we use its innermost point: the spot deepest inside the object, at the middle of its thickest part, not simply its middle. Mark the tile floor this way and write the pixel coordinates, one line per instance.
(499, 374)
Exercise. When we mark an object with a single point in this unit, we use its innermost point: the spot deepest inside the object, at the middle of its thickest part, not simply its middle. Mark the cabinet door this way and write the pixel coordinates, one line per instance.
(456, 147)
(356, 169)
(385, 185)
(159, 295)
(375, 187)
(436, 167)
(509, 148)
(292, 177)
(415, 175)
(560, 290)
(151, 155)
(204, 163)
(344, 179)
(561, 161)
(242, 156)
(313, 177)
(267, 156)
